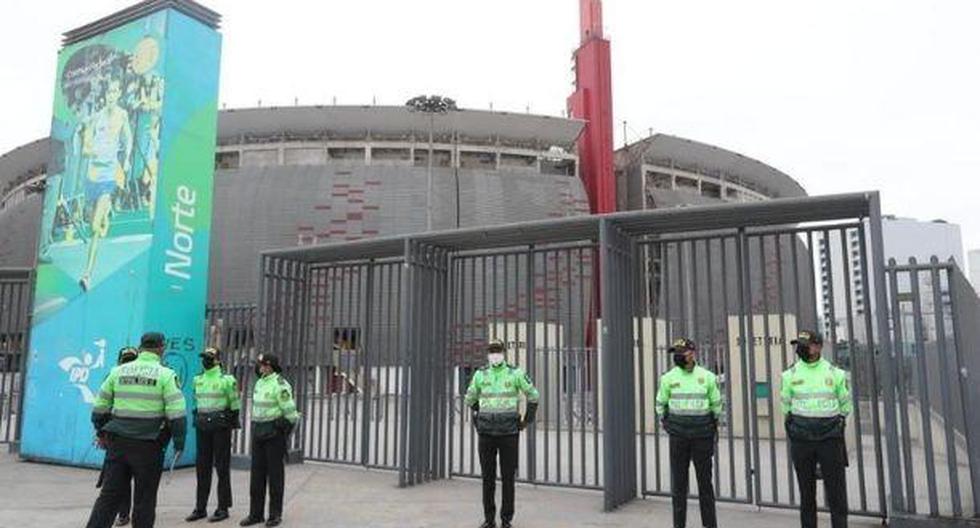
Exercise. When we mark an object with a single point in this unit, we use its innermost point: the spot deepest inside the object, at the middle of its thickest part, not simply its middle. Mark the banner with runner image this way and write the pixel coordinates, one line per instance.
(125, 226)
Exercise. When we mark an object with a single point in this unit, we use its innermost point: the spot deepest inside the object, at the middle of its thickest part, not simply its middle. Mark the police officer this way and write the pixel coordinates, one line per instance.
(126, 354)
(274, 415)
(215, 415)
(689, 404)
(138, 407)
(494, 396)
(816, 401)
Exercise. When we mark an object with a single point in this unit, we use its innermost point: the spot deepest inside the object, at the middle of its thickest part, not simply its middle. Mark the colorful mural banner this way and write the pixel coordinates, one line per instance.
(126, 220)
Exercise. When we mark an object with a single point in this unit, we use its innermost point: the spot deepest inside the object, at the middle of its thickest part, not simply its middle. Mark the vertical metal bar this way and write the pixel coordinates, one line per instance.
(814, 252)
(829, 297)
(783, 364)
(366, 363)
(594, 371)
(728, 369)
(747, 349)
(547, 367)
(712, 345)
(642, 394)
(405, 477)
(853, 365)
(881, 301)
(952, 467)
(902, 395)
(695, 329)
(454, 363)
(333, 370)
(767, 349)
(962, 293)
(530, 338)
(925, 406)
(569, 367)
(872, 369)
(682, 291)
(399, 270)
(661, 286)
(583, 363)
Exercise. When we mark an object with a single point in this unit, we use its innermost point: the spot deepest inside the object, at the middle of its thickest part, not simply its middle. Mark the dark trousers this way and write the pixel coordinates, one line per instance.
(139, 460)
(268, 467)
(507, 447)
(213, 453)
(682, 452)
(831, 457)
(127, 497)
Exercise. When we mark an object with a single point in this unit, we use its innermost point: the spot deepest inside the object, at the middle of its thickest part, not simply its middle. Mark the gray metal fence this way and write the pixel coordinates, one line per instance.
(382, 335)
(934, 330)
(15, 308)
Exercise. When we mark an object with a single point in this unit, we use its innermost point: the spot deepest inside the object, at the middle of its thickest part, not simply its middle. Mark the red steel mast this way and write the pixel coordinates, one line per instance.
(592, 102)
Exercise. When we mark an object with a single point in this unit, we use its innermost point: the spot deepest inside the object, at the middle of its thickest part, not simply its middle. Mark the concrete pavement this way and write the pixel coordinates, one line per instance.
(38, 495)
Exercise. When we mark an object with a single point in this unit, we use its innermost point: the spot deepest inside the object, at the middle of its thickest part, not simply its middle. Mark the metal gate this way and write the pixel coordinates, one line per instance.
(742, 294)
(383, 335)
(934, 330)
(15, 308)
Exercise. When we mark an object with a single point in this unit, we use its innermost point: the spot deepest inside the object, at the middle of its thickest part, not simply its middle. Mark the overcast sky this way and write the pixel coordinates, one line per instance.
(843, 95)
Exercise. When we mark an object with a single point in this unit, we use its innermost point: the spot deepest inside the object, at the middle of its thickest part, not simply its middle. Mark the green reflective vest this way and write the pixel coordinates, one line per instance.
(814, 398)
(272, 399)
(689, 401)
(497, 390)
(137, 398)
(216, 399)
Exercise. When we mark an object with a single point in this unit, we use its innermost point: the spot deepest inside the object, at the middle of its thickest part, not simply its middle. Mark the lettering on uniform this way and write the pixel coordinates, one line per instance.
(798, 382)
(137, 380)
(675, 384)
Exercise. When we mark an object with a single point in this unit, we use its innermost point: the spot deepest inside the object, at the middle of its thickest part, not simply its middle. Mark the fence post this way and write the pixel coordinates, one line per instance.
(886, 353)
(616, 338)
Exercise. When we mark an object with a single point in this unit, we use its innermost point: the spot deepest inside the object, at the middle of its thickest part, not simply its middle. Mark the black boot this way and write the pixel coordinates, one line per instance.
(250, 521)
(196, 515)
(506, 524)
(274, 521)
(489, 524)
(219, 515)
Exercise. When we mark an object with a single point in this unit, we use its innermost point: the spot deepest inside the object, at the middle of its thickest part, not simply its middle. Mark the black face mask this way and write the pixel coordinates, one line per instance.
(680, 359)
(258, 370)
(208, 363)
(803, 352)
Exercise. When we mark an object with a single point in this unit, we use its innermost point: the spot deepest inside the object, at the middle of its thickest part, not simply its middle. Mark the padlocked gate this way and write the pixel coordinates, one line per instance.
(381, 337)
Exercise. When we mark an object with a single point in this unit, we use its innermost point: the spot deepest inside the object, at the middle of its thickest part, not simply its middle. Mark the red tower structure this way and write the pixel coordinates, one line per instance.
(592, 102)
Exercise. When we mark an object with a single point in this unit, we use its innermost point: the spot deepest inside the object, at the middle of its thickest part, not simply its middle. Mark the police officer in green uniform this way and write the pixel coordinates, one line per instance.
(126, 354)
(274, 416)
(816, 401)
(138, 407)
(215, 415)
(494, 396)
(689, 405)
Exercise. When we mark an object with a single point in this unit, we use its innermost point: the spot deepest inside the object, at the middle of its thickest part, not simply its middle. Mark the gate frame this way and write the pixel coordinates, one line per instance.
(617, 235)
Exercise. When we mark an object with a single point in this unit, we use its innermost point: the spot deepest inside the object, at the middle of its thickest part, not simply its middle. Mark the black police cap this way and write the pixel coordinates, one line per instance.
(152, 341)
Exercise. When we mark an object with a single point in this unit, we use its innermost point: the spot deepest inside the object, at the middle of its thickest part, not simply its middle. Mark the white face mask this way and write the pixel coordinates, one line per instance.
(495, 358)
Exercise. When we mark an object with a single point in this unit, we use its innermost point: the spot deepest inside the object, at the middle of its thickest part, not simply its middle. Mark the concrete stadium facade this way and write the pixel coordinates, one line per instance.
(287, 176)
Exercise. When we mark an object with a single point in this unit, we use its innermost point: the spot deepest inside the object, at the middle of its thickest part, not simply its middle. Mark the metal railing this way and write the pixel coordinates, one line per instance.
(934, 329)
(16, 289)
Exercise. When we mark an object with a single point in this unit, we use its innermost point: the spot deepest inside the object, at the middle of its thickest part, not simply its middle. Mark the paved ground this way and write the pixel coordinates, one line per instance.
(37, 495)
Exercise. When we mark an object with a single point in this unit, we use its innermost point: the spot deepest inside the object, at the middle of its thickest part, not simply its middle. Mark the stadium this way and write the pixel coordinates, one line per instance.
(306, 175)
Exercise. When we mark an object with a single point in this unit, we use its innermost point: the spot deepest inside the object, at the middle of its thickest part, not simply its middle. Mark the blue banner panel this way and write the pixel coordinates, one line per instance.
(126, 221)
